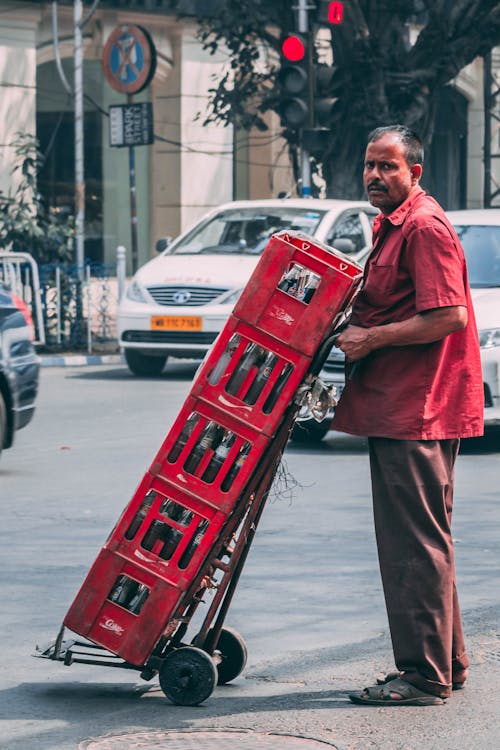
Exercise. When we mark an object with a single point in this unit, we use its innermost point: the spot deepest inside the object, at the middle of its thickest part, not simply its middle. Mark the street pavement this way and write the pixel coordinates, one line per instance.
(301, 692)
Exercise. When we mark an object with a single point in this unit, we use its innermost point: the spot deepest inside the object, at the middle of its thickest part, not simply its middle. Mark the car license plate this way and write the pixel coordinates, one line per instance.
(176, 323)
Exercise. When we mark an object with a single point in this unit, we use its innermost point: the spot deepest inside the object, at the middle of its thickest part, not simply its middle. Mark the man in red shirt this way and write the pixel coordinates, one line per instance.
(414, 388)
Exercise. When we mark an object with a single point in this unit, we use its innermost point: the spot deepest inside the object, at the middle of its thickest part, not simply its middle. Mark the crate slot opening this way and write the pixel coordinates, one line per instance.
(129, 594)
(299, 282)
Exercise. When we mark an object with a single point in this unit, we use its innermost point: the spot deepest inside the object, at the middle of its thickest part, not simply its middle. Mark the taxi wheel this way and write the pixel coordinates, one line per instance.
(144, 364)
(310, 431)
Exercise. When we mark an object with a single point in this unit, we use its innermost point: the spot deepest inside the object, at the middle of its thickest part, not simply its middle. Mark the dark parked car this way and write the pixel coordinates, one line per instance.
(19, 367)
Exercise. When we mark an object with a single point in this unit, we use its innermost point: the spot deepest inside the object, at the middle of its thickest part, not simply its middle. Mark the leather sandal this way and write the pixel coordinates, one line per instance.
(382, 695)
(395, 674)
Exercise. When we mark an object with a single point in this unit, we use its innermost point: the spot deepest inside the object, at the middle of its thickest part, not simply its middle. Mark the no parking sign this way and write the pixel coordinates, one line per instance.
(129, 59)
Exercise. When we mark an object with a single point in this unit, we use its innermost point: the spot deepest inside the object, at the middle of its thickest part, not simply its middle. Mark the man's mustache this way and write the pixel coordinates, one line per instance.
(377, 185)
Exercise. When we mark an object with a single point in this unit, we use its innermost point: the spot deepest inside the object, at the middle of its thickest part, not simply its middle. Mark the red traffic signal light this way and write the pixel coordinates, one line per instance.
(293, 48)
(293, 81)
(330, 12)
(335, 13)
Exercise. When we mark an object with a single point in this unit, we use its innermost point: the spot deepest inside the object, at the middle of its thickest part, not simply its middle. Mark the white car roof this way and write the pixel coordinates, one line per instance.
(480, 216)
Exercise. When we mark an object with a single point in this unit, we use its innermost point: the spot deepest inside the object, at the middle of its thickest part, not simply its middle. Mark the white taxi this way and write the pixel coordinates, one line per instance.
(177, 303)
(479, 233)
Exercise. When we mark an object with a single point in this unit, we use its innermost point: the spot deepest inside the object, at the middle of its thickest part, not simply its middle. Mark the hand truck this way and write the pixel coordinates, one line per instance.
(186, 533)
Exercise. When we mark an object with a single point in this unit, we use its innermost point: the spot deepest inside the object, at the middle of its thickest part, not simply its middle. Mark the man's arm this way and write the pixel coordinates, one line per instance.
(423, 328)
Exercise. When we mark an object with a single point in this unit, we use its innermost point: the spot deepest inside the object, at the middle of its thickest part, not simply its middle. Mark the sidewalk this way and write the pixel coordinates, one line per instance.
(79, 360)
(305, 696)
(300, 702)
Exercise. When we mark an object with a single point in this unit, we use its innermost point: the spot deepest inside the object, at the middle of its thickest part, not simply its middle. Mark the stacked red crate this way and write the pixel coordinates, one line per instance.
(174, 521)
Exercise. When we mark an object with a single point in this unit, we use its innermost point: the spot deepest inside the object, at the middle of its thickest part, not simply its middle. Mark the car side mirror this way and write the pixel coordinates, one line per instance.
(162, 244)
(345, 245)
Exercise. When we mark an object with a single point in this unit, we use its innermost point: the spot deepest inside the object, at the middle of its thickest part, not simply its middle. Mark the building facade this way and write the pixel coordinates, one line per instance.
(189, 167)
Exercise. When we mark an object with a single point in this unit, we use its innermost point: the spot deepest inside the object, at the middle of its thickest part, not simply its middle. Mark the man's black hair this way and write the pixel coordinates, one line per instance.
(409, 139)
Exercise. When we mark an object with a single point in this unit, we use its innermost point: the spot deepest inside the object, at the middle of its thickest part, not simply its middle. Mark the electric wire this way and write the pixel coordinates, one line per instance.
(187, 148)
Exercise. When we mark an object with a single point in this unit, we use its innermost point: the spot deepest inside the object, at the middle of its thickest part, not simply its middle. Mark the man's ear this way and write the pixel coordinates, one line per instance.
(416, 172)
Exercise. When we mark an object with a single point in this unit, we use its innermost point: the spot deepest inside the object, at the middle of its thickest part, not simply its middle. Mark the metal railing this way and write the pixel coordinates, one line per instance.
(19, 272)
(73, 308)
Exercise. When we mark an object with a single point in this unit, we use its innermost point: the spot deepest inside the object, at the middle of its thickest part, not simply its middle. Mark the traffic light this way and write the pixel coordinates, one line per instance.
(330, 12)
(293, 80)
(324, 102)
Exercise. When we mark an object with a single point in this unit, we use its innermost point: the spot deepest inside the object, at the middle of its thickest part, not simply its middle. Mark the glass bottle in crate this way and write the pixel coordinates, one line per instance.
(220, 455)
(135, 604)
(122, 590)
(252, 357)
(140, 516)
(277, 388)
(261, 378)
(210, 437)
(193, 545)
(152, 535)
(183, 437)
(236, 467)
(171, 538)
(289, 280)
(310, 288)
(224, 359)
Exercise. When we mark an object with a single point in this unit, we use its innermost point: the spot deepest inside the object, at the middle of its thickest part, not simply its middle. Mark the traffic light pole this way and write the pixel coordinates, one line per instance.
(305, 163)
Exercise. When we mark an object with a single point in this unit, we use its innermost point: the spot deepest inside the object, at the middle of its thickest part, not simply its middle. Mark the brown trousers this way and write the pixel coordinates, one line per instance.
(412, 484)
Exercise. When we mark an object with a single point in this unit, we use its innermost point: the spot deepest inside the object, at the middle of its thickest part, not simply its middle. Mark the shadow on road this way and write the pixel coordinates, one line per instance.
(116, 708)
(181, 370)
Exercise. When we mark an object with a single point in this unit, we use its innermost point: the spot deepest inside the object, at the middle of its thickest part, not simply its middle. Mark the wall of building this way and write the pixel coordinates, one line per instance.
(269, 169)
(469, 83)
(207, 150)
(190, 167)
(17, 88)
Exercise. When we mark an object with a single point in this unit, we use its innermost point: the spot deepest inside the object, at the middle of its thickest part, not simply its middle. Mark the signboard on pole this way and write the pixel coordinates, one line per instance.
(131, 124)
(129, 62)
(129, 59)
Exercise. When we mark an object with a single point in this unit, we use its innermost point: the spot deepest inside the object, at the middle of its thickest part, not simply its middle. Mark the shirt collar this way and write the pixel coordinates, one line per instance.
(401, 212)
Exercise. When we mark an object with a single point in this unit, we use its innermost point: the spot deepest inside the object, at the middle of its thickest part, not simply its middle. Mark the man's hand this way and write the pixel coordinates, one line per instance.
(355, 342)
(423, 328)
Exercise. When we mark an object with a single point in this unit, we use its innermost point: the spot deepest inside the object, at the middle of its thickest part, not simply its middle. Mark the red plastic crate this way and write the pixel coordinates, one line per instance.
(244, 455)
(273, 373)
(132, 590)
(165, 531)
(203, 476)
(301, 324)
(95, 616)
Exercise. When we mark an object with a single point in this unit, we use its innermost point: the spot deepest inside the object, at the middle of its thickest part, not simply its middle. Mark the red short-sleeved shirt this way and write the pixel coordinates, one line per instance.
(426, 391)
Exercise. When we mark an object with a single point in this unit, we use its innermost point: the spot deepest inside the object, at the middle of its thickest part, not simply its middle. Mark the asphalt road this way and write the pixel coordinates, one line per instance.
(309, 603)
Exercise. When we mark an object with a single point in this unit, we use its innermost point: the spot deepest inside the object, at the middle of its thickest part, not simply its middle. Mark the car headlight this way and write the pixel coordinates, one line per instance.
(232, 298)
(135, 292)
(489, 337)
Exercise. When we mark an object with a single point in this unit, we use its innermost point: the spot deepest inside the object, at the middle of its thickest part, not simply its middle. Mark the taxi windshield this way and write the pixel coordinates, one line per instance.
(245, 230)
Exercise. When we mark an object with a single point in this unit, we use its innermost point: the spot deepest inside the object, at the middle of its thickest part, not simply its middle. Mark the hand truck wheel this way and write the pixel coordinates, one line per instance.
(188, 676)
(233, 655)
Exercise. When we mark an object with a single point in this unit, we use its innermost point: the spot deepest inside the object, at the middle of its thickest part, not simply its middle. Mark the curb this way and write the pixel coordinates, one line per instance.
(80, 360)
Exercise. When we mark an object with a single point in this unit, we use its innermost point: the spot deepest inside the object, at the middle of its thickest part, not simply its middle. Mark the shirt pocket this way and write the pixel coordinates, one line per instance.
(378, 285)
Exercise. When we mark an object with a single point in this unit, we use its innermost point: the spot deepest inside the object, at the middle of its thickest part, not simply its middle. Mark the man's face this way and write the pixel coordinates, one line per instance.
(387, 177)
